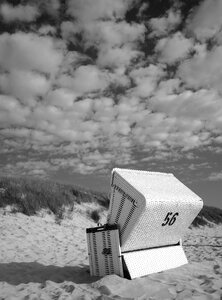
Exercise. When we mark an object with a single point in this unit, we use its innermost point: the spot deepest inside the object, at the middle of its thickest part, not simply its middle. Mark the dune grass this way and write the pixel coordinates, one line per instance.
(29, 196)
(208, 215)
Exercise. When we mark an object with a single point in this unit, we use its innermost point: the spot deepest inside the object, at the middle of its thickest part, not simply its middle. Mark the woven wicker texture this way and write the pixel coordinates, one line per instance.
(104, 252)
(156, 186)
(163, 208)
(144, 262)
(149, 231)
(124, 212)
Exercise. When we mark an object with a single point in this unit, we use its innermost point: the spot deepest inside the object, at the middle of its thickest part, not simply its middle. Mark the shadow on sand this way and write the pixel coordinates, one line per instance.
(25, 272)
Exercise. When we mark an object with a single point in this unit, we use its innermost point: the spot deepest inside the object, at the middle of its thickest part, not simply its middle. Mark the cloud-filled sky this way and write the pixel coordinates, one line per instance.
(86, 86)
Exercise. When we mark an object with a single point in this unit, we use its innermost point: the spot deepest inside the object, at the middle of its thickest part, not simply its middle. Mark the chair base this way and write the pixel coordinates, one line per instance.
(105, 255)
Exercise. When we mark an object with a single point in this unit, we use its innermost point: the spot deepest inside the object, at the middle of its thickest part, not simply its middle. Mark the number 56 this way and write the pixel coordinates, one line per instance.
(170, 220)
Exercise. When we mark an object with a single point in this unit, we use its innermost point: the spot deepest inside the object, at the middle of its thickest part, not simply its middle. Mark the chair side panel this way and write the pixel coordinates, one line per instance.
(104, 252)
(124, 211)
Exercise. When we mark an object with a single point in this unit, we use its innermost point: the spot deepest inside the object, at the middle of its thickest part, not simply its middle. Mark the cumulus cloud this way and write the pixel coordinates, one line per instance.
(146, 79)
(12, 112)
(22, 13)
(29, 168)
(163, 25)
(168, 87)
(218, 140)
(199, 166)
(46, 30)
(191, 116)
(116, 57)
(203, 69)
(24, 85)
(205, 22)
(51, 7)
(115, 42)
(85, 79)
(28, 51)
(173, 48)
(111, 34)
(202, 105)
(215, 176)
(88, 11)
(89, 78)
(61, 97)
(68, 30)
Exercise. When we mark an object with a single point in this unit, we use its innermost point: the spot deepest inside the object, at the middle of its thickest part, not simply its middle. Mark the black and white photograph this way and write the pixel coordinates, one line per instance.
(110, 150)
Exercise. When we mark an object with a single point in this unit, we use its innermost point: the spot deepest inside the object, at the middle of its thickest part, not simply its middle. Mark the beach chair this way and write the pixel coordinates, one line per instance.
(152, 212)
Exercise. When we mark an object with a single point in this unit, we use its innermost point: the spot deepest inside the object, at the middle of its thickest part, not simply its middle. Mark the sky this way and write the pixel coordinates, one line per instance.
(90, 85)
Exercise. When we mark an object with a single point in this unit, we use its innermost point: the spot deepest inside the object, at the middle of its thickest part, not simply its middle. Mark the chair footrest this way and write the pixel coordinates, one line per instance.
(144, 262)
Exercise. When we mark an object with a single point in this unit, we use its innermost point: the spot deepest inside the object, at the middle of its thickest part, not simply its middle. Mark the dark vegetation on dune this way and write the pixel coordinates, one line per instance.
(208, 215)
(29, 196)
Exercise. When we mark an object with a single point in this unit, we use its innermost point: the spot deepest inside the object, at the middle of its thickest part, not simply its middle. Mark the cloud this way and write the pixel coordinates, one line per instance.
(117, 57)
(161, 155)
(205, 21)
(112, 34)
(88, 11)
(47, 30)
(203, 69)
(190, 117)
(61, 97)
(168, 87)
(89, 78)
(53, 5)
(28, 51)
(85, 79)
(65, 125)
(29, 168)
(12, 112)
(24, 85)
(218, 140)
(68, 31)
(114, 42)
(146, 79)
(203, 105)
(27, 138)
(173, 48)
(215, 176)
(163, 25)
(22, 13)
(199, 166)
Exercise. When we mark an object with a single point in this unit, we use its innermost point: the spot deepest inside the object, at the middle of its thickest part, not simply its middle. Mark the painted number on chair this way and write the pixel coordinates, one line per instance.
(170, 220)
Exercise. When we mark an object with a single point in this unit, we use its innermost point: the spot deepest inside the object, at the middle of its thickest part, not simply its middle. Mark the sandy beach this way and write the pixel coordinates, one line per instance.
(41, 259)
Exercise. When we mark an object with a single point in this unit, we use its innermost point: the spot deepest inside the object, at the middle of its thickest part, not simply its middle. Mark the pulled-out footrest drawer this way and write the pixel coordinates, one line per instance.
(104, 250)
(143, 262)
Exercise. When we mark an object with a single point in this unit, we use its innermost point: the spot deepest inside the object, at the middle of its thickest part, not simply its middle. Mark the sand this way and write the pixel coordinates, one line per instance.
(40, 259)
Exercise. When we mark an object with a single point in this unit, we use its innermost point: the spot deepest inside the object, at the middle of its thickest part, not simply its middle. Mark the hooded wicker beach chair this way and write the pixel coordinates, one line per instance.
(152, 212)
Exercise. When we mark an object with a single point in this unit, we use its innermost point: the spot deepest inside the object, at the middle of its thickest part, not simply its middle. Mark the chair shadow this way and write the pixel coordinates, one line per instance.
(24, 272)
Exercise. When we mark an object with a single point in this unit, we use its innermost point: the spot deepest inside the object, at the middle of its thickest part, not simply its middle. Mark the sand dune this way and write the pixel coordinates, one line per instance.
(40, 259)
